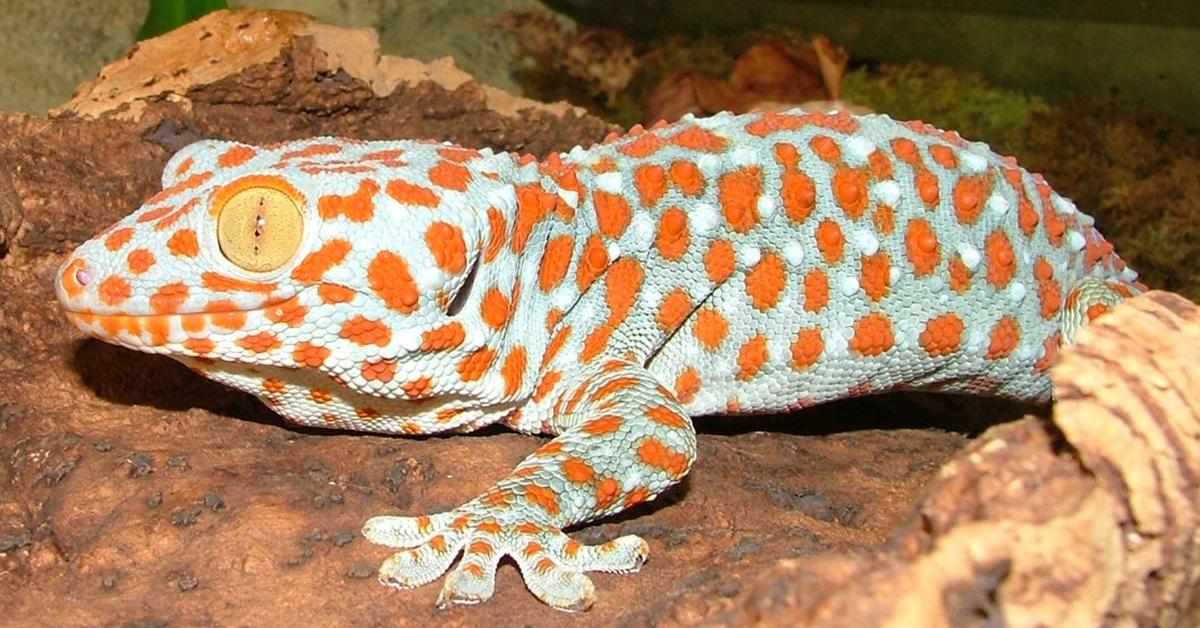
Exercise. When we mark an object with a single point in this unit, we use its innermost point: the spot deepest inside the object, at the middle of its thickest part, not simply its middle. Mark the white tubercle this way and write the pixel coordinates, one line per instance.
(997, 204)
(610, 182)
(793, 252)
(887, 192)
(970, 256)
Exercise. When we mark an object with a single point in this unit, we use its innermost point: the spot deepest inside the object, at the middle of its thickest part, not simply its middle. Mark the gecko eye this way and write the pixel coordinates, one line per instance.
(259, 228)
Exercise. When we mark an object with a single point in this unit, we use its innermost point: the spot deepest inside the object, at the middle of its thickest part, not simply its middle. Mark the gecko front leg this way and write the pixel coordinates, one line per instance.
(621, 439)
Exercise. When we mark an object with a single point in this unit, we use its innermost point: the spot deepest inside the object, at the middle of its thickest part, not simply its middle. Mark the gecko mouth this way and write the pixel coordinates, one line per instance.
(146, 332)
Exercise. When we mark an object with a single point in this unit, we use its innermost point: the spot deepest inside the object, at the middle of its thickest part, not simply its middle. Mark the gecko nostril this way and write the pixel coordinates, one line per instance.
(82, 277)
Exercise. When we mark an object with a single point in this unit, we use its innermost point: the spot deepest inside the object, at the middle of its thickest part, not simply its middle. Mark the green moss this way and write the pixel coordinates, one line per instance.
(949, 99)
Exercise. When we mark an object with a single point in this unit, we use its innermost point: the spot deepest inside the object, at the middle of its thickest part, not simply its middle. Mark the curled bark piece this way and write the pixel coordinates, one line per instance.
(1087, 519)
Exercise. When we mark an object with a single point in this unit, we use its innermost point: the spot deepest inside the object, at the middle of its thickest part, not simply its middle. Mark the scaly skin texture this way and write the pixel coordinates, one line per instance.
(732, 264)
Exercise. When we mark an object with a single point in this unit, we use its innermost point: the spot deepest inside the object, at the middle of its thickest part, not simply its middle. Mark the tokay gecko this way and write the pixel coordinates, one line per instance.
(731, 264)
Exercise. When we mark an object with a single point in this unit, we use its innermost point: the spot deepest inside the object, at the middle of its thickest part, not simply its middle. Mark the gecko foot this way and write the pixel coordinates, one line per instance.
(551, 563)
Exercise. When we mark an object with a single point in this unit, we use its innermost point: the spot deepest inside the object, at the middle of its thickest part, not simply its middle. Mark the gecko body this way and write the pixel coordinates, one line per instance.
(732, 264)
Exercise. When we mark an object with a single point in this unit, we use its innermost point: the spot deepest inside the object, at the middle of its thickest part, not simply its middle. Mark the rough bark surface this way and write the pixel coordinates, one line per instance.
(134, 492)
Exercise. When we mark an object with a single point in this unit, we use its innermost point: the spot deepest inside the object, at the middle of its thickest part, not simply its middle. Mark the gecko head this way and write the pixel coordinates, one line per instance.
(322, 253)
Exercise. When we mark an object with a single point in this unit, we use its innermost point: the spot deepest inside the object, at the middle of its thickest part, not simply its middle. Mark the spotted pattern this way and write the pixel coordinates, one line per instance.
(730, 264)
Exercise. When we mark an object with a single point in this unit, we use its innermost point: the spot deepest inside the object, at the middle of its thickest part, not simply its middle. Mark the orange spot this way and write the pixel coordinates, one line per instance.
(140, 261)
(885, 219)
(335, 293)
(315, 264)
(596, 342)
(1001, 261)
(356, 207)
(651, 183)
(612, 386)
(739, 192)
(221, 283)
(169, 298)
(310, 355)
(449, 175)
(448, 336)
(261, 342)
(189, 183)
(719, 261)
(807, 348)
(799, 195)
(969, 194)
(687, 385)
(787, 155)
(556, 260)
(1096, 310)
(419, 388)
(118, 238)
(673, 236)
(1049, 291)
(556, 344)
(513, 370)
(816, 290)
(612, 213)
(960, 275)
(1050, 353)
(577, 471)
(183, 243)
(457, 154)
(159, 328)
(154, 214)
(876, 275)
(826, 148)
(1005, 337)
(636, 496)
(312, 150)
(699, 139)
(850, 188)
(389, 278)
(881, 166)
(533, 204)
(407, 193)
(228, 319)
(449, 249)
(498, 228)
(924, 250)
(927, 187)
(622, 284)
(766, 281)
(274, 386)
(943, 156)
(655, 454)
(645, 145)
(199, 346)
(830, 241)
(547, 384)
(235, 156)
(674, 310)
(365, 331)
(942, 335)
(187, 165)
(666, 416)
(872, 335)
(114, 290)
(751, 357)
(710, 328)
(476, 363)
(495, 308)
(607, 491)
(687, 177)
(379, 371)
(592, 264)
(906, 150)
(606, 424)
